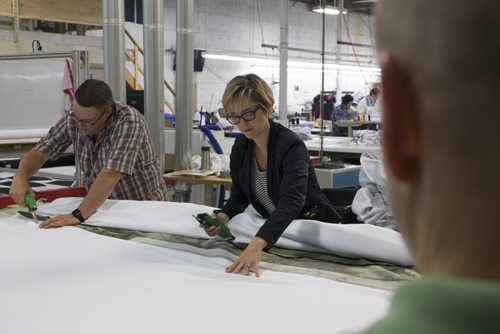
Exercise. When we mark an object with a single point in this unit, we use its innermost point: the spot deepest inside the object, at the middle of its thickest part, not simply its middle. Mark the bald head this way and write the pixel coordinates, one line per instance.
(446, 40)
(451, 48)
(450, 51)
(440, 77)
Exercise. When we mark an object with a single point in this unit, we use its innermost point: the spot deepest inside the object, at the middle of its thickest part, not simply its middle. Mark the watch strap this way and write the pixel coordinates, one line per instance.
(78, 214)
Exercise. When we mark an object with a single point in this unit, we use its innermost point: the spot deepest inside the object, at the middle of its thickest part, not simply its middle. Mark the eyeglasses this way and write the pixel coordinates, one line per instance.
(247, 116)
(88, 122)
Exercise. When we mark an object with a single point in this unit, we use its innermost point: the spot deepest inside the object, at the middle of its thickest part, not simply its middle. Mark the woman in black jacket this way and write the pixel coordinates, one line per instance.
(270, 169)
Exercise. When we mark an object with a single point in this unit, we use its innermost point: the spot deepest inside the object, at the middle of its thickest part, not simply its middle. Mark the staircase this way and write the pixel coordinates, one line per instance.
(134, 72)
(82, 16)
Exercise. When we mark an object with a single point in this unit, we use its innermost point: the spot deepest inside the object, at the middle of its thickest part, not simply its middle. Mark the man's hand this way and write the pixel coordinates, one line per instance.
(59, 221)
(18, 189)
(30, 163)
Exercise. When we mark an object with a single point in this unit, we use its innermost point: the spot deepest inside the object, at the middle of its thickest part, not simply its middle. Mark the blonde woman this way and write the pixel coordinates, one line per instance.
(270, 169)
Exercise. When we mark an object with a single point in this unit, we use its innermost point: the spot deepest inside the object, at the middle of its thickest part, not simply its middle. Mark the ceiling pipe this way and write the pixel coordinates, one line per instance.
(283, 90)
(114, 47)
(339, 36)
(184, 105)
(153, 75)
(184, 59)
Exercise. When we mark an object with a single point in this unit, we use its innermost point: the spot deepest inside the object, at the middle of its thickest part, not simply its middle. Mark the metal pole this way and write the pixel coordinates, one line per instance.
(80, 67)
(339, 36)
(184, 84)
(184, 94)
(80, 74)
(15, 22)
(283, 107)
(322, 95)
(114, 47)
(153, 74)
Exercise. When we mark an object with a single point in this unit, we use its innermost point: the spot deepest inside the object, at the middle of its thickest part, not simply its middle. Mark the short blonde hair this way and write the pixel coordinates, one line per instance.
(244, 88)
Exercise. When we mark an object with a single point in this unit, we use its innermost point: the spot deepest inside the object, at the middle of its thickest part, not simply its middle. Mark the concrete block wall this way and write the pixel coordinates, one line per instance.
(239, 27)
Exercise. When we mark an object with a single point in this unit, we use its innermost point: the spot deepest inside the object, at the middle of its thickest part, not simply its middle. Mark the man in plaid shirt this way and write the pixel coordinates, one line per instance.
(111, 144)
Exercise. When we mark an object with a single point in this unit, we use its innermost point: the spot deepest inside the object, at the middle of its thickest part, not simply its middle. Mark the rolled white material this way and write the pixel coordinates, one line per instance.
(356, 240)
(33, 134)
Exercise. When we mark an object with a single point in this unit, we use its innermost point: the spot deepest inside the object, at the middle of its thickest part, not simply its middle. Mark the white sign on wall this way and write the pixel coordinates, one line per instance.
(31, 93)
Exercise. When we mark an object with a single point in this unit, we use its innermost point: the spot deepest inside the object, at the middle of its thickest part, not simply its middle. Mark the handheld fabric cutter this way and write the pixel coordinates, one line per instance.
(207, 220)
(30, 202)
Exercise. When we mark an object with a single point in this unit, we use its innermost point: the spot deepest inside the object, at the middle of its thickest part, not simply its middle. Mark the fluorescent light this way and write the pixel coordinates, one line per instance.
(234, 58)
(329, 10)
(360, 70)
(294, 64)
(316, 67)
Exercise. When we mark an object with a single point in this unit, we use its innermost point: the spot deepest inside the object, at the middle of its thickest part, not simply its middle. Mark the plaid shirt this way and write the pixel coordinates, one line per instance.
(123, 145)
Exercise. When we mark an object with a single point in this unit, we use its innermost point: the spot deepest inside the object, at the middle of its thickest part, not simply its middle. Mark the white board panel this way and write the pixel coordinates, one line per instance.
(31, 93)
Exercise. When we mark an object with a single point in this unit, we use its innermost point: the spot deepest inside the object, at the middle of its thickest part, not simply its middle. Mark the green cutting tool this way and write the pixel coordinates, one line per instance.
(30, 202)
(29, 215)
(207, 220)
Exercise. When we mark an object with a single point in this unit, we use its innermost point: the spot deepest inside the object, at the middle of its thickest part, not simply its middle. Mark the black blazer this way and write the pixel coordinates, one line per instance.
(291, 182)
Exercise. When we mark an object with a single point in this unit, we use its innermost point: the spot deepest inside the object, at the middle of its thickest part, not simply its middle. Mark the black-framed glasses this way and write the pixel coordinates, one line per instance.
(247, 116)
(88, 122)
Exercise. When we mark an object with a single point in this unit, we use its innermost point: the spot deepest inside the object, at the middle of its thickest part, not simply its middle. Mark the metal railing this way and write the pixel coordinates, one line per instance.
(136, 58)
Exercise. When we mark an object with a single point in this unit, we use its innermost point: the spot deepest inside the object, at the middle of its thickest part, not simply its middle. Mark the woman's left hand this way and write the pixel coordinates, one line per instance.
(249, 259)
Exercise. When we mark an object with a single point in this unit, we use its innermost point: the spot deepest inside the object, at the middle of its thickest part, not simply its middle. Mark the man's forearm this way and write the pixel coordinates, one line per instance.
(31, 163)
(102, 187)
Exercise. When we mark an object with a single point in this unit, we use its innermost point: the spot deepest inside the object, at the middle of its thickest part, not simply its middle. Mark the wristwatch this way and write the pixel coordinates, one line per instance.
(77, 213)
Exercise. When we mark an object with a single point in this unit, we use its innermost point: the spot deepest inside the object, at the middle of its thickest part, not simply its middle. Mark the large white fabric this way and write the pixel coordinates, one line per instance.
(340, 144)
(371, 201)
(67, 280)
(356, 240)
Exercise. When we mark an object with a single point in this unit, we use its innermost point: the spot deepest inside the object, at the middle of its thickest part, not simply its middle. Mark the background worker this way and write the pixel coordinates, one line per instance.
(112, 146)
(442, 166)
(369, 106)
(343, 112)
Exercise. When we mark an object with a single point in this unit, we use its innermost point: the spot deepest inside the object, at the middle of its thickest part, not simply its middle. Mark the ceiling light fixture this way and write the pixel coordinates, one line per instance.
(293, 64)
(235, 58)
(329, 10)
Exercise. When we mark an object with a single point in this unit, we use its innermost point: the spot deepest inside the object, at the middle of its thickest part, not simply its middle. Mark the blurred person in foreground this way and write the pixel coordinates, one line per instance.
(437, 59)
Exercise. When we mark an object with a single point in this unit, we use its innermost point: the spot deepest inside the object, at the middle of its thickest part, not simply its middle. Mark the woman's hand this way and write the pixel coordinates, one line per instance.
(249, 259)
(214, 230)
